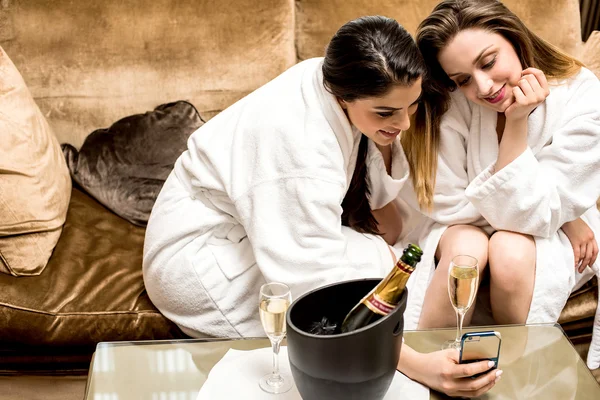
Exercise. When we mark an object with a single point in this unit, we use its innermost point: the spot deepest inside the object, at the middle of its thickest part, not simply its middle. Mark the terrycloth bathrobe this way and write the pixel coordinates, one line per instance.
(257, 198)
(555, 180)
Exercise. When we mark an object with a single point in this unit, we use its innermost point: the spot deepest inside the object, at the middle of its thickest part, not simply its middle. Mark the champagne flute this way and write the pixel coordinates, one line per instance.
(463, 282)
(274, 300)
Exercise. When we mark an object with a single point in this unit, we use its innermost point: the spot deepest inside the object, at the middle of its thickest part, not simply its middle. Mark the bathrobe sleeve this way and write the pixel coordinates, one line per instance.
(537, 193)
(294, 226)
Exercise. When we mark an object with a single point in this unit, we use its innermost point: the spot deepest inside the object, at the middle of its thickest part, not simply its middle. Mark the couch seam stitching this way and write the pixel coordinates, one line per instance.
(96, 313)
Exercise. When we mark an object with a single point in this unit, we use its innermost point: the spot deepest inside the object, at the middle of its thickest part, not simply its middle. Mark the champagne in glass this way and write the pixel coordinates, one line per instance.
(462, 287)
(274, 300)
(272, 316)
(463, 282)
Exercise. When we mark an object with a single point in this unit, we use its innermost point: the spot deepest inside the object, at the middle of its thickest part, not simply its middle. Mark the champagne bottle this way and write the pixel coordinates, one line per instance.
(380, 301)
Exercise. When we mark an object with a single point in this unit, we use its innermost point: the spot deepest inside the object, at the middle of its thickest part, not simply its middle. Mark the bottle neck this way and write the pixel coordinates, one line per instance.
(391, 287)
(409, 260)
(405, 266)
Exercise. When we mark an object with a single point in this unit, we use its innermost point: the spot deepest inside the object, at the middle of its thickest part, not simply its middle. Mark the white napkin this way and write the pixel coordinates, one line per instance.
(237, 374)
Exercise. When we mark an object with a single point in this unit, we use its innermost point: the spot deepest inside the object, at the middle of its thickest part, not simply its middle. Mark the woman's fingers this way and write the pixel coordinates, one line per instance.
(540, 77)
(577, 255)
(587, 256)
(476, 387)
(532, 88)
(520, 97)
(457, 379)
(477, 393)
(526, 85)
(594, 252)
(530, 91)
(468, 370)
(535, 86)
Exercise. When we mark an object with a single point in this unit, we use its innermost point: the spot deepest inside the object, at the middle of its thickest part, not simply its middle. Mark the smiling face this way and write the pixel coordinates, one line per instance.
(484, 66)
(381, 119)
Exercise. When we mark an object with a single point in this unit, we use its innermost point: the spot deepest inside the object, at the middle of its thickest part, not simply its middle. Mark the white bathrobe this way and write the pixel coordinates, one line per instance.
(257, 198)
(556, 180)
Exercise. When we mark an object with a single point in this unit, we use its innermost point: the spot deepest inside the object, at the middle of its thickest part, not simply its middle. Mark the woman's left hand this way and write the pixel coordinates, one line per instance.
(441, 371)
(585, 247)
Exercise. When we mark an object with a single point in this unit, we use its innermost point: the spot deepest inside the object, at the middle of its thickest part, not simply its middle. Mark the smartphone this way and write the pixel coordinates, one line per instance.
(479, 346)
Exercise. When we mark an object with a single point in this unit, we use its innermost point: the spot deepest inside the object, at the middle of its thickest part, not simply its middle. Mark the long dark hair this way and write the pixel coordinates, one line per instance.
(367, 57)
(447, 19)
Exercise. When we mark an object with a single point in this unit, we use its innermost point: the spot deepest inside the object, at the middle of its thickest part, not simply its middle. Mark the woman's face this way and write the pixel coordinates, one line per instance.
(381, 119)
(484, 66)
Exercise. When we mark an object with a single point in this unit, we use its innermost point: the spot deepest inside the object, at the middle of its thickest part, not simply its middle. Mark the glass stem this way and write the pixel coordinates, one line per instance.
(460, 316)
(276, 344)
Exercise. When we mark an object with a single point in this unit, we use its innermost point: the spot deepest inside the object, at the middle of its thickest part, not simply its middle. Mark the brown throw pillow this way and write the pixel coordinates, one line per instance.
(125, 166)
(35, 186)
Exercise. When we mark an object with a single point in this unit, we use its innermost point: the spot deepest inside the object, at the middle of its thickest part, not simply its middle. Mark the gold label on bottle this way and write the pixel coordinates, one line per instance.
(378, 305)
(406, 268)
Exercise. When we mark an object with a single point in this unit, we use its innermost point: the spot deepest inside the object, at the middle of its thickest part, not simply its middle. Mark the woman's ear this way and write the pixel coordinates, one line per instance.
(342, 103)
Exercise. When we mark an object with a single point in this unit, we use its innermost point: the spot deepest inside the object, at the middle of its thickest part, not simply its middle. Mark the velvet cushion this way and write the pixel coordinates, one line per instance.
(581, 304)
(91, 291)
(34, 180)
(125, 166)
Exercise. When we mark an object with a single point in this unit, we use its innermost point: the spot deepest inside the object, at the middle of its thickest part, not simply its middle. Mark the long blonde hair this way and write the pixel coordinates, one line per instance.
(447, 19)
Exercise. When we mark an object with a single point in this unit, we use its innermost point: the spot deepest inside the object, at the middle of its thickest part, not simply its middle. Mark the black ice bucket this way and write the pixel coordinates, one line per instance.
(354, 365)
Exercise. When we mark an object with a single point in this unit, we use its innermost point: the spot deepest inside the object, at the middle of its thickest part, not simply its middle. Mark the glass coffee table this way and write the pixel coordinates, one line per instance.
(538, 361)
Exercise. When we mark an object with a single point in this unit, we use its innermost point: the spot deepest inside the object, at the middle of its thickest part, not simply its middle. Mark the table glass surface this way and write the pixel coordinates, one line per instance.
(538, 362)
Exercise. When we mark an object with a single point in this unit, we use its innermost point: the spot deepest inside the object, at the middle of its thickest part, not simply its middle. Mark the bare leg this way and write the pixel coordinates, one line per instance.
(512, 276)
(459, 239)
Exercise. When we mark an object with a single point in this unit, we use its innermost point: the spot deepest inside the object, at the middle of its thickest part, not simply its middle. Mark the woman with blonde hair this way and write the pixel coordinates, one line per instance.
(517, 134)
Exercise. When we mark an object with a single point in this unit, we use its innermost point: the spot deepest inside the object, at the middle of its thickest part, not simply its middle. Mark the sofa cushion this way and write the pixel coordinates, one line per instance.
(91, 291)
(34, 180)
(582, 304)
(125, 166)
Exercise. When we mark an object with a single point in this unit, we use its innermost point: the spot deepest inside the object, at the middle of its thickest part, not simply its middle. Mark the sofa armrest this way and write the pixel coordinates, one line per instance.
(590, 54)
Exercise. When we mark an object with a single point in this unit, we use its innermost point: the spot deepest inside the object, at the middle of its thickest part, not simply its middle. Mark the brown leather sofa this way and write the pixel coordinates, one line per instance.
(89, 64)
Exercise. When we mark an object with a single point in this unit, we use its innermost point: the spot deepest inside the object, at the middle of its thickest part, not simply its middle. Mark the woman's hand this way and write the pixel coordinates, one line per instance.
(448, 376)
(441, 371)
(531, 90)
(585, 247)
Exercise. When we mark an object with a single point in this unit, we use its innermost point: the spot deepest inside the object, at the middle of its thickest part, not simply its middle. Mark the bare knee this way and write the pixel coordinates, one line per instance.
(511, 259)
(463, 240)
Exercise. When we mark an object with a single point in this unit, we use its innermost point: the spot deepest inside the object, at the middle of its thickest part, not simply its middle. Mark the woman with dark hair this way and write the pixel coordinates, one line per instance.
(517, 131)
(281, 187)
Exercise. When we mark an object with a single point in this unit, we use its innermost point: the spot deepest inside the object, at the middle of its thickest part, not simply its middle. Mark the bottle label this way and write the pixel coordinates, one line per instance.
(406, 268)
(378, 305)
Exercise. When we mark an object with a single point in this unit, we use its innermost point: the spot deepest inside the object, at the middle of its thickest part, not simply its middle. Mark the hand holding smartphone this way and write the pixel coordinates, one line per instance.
(479, 346)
